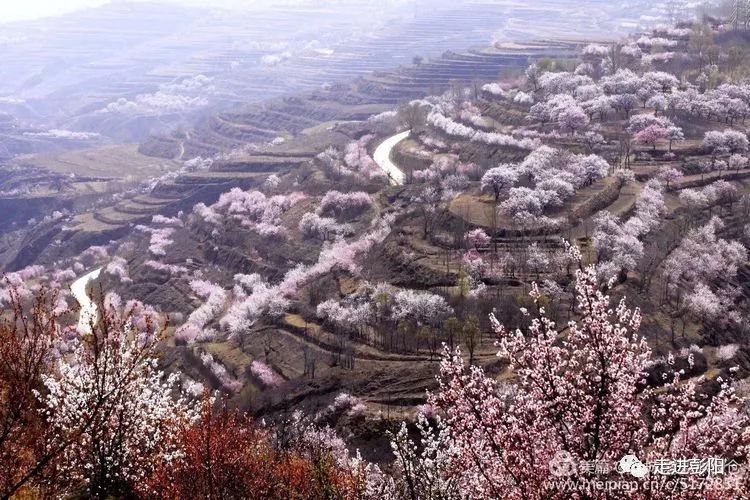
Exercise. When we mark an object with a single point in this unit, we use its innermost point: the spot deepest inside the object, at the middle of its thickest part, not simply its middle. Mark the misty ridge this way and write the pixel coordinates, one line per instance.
(127, 70)
(348, 249)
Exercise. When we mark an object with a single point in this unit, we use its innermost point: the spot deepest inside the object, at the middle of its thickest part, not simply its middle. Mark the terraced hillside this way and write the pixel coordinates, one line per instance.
(319, 250)
(355, 101)
(274, 146)
(125, 71)
(182, 58)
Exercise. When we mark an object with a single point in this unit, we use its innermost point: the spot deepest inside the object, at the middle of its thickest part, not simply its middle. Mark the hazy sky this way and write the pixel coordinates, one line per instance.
(13, 10)
(19, 10)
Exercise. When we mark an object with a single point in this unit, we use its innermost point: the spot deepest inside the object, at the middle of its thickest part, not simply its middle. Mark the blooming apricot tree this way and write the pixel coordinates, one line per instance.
(109, 406)
(580, 393)
(499, 178)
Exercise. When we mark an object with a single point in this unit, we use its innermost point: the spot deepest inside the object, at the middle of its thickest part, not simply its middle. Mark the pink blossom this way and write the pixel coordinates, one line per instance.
(251, 209)
(166, 221)
(168, 268)
(453, 128)
(227, 380)
(339, 202)
(651, 135)
(669, 175)
(499, 178)
(727, 352)
(359, 161)
(118, 267)
(578, 391)
(194, 329)
(421, 306)
(478, 238)
(265, 374)
(160, 239)
(314, 226)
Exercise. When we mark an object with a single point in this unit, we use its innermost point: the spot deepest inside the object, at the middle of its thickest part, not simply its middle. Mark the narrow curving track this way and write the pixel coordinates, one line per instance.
(383, 158)
(88, 307)
(182, 146)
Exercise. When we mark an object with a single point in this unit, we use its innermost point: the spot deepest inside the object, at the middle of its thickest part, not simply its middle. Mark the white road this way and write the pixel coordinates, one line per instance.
(88, 306)
(382, 157)
(182, 146)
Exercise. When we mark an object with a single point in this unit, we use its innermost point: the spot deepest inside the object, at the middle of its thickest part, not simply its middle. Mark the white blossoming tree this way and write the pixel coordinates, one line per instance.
(110, 407)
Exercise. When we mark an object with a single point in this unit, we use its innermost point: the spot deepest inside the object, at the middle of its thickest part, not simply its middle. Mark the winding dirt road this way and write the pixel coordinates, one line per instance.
(382, 157)
(88, 307)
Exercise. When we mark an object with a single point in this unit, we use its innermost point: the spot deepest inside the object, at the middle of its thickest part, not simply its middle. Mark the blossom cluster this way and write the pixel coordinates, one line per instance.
(251, 209)
(195, 328)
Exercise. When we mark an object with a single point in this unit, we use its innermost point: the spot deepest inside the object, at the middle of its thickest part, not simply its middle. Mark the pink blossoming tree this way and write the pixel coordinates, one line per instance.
(579, 396)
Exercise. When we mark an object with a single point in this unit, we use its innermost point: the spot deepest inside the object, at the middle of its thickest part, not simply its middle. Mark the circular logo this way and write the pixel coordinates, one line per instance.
(562, 464)
(629, 464)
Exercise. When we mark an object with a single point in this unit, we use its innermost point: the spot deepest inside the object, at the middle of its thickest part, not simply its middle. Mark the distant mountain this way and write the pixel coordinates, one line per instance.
(127, 70)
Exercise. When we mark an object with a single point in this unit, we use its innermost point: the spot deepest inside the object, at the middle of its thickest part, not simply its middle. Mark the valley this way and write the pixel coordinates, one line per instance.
(416, 254)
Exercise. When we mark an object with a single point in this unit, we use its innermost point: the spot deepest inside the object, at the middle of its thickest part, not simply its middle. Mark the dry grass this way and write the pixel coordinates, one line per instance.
(229, 354)
(475, 208)
(87, 223)
(112, 162)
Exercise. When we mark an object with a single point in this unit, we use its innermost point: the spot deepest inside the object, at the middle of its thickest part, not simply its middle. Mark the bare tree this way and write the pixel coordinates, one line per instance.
(412, 114)
(471, 334)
